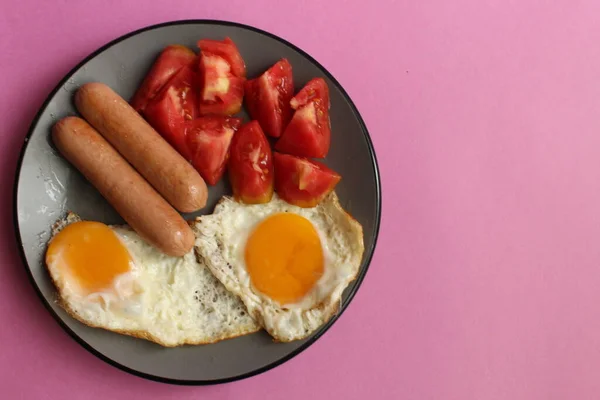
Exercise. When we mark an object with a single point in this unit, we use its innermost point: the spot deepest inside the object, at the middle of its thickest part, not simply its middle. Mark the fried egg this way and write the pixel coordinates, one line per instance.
(108, 277)
(289, 265)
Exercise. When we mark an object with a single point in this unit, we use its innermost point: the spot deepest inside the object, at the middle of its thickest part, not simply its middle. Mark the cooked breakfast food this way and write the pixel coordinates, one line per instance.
(277, 254)
(289, 265)
(168, 172)
(109, 277)
(122, 186)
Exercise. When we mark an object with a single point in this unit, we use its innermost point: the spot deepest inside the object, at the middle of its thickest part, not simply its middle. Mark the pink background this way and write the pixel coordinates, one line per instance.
(485, 116)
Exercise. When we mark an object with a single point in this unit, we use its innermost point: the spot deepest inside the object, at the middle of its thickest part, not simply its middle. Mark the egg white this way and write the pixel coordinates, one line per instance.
(220, 243)
(167, 300)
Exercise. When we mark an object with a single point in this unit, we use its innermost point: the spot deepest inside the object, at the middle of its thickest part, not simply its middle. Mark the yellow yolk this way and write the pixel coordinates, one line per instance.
(90, 252)
(284, 257)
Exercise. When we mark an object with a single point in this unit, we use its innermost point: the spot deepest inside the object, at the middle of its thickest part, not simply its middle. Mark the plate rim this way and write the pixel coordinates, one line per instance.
(195, 382)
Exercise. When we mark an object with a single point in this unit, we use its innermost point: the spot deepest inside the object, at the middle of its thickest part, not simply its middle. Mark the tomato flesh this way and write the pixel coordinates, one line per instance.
(208, 140)
(222, 74)
(303, 182)
(174, 105)
(309, 132)
(168, 63)
(268, 98)
(227, 50)
(251, 165)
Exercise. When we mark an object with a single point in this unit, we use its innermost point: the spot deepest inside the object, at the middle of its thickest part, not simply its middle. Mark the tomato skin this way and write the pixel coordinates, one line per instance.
(208, 140)
(268, 98)
(303, 182)
(185, 83)
(164, 117)
(251, 165)
(175, 104)
(315, 90)
(168, 63)
(227, 50)
(309, 132)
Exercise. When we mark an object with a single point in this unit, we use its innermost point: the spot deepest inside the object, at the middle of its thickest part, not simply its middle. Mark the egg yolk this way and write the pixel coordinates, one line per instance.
(284, 257)
(90, 252)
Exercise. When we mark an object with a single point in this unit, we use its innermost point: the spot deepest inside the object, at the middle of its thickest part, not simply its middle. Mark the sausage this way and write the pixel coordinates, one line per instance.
(125, 189)
(151, 155)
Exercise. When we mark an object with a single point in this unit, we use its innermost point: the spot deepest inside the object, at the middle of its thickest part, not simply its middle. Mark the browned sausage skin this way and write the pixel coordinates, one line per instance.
(161, 165)
(123, 187)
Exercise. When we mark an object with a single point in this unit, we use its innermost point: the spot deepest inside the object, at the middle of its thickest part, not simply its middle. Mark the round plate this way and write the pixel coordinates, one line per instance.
(47, 186)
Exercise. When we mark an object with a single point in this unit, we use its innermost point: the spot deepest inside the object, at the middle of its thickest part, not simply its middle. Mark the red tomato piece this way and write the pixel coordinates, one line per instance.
(227, 50)
(251, 165)
(309, 132)
(221, 93)
(174, 105)
(208, 139)
(168, 63)
(302, 182)
(222, 74)
(268, 98)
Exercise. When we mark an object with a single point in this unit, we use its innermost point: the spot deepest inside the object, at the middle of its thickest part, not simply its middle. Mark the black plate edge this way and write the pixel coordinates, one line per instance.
(370, 252)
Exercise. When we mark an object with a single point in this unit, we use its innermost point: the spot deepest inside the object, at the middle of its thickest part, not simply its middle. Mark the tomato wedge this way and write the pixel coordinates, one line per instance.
(208, 139)
(268, 98)
(222, 74)
(309, 132)
(303, 182)
(227, 50)
(168, 63)
(251, 165)
(174, 105)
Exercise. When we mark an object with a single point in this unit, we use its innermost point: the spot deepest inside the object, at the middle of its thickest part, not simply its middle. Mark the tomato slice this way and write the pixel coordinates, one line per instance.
(221, 92)
(268, 98)
(168, 63)
(227, 50)
(208, 140)
(222, 75)
(174, 105)
(309, 132)
(251, 165)
(302, 182)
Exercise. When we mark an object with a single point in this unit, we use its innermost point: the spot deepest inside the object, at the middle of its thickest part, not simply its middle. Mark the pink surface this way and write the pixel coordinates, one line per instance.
(485, 117)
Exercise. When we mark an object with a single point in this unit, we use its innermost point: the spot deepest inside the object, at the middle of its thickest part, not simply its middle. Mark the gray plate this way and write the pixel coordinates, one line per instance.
(47, 186)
